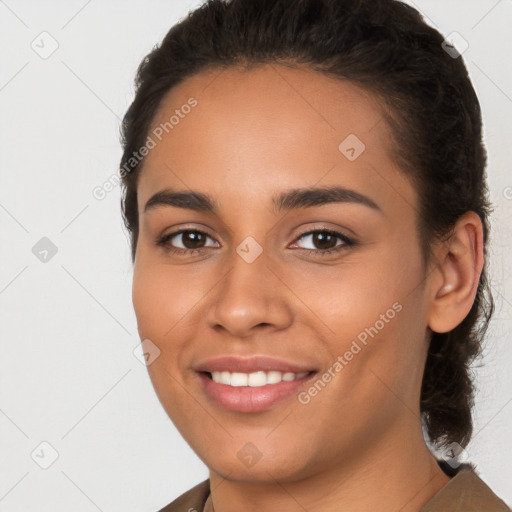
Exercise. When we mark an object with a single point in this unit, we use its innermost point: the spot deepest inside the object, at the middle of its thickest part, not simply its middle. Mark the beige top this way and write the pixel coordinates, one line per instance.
(465, 492)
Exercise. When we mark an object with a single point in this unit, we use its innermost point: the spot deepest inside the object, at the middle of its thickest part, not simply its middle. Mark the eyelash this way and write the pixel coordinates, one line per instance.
(347, 242)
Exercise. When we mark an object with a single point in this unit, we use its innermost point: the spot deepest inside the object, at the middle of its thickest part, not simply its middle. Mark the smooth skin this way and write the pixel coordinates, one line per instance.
(358, 444)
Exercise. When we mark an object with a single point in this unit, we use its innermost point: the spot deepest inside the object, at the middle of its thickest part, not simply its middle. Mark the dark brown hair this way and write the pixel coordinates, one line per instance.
(428, 101)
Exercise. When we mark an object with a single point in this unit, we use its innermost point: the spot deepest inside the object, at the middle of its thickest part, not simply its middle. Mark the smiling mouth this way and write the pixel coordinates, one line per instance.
(252, 391)
(254, 379)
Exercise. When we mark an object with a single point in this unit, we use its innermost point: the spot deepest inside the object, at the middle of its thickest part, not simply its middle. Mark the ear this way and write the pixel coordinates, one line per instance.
(454, 281)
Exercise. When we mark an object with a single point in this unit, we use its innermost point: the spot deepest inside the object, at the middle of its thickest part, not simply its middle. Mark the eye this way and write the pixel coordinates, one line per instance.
(192, 240)
(326, 241)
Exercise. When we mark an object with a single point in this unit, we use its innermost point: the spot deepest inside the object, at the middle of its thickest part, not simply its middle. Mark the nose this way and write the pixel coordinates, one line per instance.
(250, 297)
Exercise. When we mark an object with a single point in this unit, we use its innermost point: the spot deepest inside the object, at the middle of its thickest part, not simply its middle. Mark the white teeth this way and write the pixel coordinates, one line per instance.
(255, 379)
(238, 379)
(273, 377)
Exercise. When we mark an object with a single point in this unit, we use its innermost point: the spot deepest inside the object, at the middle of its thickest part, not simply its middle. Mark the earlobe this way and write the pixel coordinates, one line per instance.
(455, 280)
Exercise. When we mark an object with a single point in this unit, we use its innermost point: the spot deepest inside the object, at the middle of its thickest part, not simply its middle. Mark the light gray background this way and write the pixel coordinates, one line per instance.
(68, 373)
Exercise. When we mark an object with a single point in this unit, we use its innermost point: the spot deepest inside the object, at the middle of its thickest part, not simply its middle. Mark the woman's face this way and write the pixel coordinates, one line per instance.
(252, 288)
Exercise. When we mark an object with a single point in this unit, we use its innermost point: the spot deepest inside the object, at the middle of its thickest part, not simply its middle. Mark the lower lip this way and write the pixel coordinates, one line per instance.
(250, 399)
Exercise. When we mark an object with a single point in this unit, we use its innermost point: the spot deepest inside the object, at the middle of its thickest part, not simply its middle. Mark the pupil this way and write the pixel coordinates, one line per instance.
(192, 235)
(320, 239)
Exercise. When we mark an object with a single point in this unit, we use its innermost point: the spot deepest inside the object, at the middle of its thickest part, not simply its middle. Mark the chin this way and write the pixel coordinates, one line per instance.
(262, 472)
(256, 462)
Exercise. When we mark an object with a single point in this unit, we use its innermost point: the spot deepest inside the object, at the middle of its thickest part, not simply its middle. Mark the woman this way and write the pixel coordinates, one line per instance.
(304, 185)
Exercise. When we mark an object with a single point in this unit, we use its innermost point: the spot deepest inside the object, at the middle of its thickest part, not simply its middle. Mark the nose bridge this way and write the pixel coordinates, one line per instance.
(249, 293)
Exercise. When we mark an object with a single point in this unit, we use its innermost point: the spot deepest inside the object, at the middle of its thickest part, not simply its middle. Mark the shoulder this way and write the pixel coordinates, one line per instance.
(190, 501)
(465, 492)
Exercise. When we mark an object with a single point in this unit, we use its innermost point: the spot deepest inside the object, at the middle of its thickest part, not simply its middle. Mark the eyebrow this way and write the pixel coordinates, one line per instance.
(285, 201)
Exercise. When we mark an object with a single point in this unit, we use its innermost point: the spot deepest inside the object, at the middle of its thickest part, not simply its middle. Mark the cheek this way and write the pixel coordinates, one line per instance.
(163, 299)
(161, 303)
(355, 295)
(377, 306)
(147, 302)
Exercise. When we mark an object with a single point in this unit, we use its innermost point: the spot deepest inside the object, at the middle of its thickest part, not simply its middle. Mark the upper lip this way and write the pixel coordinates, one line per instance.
(250, 364)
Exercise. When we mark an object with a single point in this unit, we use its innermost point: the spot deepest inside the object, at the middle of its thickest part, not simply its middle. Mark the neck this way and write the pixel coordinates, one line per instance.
(400, 474)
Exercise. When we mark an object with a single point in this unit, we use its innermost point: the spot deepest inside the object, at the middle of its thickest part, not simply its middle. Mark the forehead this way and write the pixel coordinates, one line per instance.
(268, 126)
